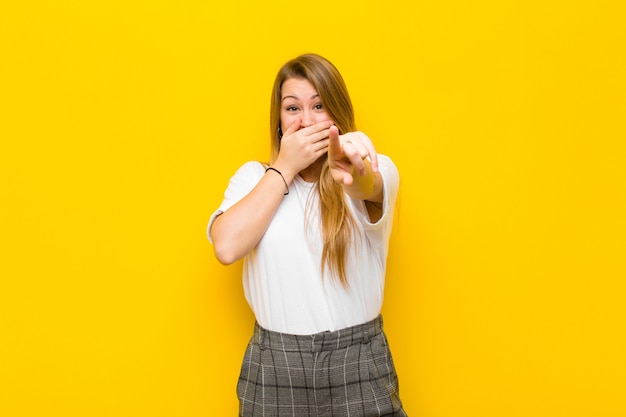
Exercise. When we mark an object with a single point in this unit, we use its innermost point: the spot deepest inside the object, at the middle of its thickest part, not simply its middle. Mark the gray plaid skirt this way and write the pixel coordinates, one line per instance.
(348, 372)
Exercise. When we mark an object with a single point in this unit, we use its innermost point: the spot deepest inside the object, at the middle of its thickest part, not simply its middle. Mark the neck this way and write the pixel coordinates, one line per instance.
(313, 171)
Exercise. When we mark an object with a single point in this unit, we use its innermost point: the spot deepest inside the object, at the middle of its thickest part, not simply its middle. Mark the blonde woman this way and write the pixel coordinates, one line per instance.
(313, 228)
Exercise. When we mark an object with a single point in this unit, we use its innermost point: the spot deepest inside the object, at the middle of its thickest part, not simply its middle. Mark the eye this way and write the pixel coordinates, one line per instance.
(291, 108)
(318, 106)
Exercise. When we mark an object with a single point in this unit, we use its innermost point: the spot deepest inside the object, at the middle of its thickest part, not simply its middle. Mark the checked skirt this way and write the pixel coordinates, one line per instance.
(348, 372)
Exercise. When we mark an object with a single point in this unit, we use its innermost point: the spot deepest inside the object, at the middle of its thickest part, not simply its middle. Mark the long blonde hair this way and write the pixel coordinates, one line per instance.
(336, 221)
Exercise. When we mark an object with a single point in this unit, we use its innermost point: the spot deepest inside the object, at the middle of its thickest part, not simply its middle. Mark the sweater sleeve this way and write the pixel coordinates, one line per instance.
(391, 183)
(240, 184)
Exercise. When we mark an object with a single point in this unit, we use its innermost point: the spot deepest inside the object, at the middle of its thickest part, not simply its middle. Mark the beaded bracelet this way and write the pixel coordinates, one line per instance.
(281, 175)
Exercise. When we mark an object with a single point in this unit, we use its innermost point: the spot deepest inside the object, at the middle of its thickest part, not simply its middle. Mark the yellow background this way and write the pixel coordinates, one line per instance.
(122, 121)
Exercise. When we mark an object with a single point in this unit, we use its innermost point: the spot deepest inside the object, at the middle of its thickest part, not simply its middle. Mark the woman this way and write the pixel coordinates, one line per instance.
(313, 229)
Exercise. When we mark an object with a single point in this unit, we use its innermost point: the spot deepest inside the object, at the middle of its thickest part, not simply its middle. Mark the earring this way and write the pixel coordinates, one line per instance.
(280, 133)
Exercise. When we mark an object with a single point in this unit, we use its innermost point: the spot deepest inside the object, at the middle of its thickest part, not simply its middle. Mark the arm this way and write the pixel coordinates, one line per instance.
(240, 228)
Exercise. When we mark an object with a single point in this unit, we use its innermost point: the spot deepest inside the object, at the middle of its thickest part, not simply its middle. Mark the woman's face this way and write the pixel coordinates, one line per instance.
(299, 99)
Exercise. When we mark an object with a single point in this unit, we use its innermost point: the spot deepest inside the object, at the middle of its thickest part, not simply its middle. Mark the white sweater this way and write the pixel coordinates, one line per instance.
(282, 278)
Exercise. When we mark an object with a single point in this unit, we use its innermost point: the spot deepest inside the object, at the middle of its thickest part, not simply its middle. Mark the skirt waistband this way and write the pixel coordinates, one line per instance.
(317, 342)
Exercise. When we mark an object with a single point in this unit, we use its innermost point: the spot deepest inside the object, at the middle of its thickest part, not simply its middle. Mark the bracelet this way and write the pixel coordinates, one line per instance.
(281, 175)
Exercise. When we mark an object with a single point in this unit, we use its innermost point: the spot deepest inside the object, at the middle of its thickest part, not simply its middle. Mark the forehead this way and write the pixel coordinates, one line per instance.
(298, 88)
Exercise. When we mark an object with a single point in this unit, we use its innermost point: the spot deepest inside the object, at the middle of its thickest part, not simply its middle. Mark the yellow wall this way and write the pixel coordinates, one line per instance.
(121, 122)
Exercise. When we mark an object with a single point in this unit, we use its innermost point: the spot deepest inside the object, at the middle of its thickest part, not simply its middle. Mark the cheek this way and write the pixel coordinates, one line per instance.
(286, 120)
(323, 118)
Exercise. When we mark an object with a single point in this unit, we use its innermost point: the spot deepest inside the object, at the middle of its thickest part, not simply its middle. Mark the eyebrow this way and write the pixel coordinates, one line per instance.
(296, 98)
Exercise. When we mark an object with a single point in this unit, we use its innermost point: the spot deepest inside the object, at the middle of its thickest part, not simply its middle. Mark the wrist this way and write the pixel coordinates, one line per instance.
(268, 169)
(363, 187)
(285, 171)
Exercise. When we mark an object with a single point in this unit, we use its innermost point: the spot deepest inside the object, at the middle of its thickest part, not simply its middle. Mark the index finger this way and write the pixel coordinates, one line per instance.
(334, 145)
(318, 127)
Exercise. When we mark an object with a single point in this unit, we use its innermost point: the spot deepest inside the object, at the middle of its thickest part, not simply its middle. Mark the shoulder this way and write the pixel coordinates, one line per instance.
(249, 171)
(252, 168)
(247, 175)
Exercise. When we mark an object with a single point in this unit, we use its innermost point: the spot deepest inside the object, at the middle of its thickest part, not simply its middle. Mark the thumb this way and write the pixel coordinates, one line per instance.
(292, 127)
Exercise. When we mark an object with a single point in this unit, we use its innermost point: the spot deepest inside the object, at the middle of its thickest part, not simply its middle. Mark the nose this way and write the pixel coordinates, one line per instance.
(307, 118)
